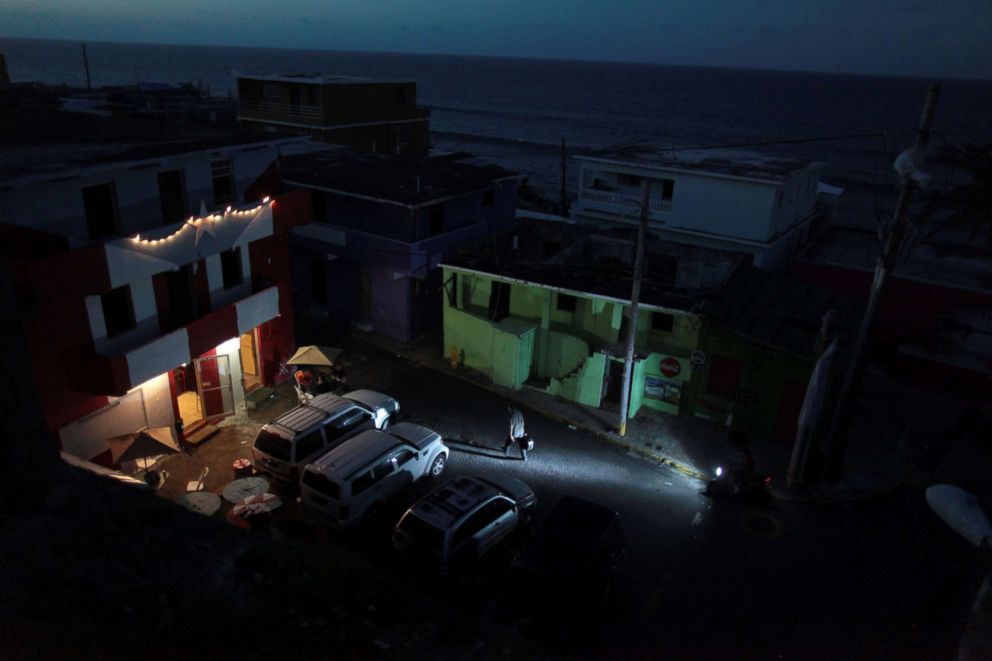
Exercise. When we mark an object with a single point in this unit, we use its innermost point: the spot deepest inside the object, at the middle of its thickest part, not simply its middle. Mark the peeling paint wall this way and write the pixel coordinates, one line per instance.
(585, 386)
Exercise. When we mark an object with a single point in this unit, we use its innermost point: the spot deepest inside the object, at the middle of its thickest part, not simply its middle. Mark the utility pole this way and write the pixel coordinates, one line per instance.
(635, 297)
(86, 65)
(836, 438)
(563, 211)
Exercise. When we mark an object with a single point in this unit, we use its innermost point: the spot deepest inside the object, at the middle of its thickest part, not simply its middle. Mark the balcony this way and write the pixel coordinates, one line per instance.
(620, 202)
(285, 112)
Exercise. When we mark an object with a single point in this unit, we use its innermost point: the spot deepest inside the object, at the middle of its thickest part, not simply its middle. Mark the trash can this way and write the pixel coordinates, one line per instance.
(242, 468)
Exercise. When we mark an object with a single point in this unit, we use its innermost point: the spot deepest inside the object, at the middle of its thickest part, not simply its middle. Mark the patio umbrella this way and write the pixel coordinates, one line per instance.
(141, 446)
(314, 354)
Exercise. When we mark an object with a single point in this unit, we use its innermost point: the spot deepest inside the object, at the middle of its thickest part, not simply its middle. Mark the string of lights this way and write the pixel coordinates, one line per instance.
(197, 222)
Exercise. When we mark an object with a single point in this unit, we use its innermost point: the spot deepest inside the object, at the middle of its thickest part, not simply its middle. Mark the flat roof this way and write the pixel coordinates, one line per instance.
(611, 282)
(400, 180)
(318, 79)
(37, 136)
(722, 162)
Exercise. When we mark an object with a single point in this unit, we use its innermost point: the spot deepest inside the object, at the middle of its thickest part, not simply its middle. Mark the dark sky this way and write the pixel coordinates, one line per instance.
(900, 37)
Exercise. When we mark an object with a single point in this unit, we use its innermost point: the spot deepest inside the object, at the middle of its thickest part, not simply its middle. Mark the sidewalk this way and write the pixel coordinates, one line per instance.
(880, 456)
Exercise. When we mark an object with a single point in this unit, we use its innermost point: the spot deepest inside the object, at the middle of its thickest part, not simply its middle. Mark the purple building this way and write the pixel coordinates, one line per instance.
(381, 225)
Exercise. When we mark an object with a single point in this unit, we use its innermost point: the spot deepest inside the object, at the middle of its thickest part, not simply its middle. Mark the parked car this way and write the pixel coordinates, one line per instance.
(464, 518)
(304, 432)
(568, 561)
(354, 480)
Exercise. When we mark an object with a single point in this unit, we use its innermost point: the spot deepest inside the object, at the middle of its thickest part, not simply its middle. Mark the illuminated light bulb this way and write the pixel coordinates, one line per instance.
(265, 199)
(137, 237)
(228, 209)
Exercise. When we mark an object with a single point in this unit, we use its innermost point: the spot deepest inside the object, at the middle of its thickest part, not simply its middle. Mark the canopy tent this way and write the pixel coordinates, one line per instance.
(140, 447)
(315, 354)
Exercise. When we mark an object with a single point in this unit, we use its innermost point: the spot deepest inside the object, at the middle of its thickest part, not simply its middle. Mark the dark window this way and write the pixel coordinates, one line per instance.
(724, 376)
(321, 484)
(565, 302)
(318, 278)
(400, 94)
(667, 189)
(222, 172)
(472, 525)
(100, 206)
(118, 312)
(367, 479)
(428, 535)
(311, 95)
(308, 445)
(662, 322)
(172, 196)
(663, 268)
(273, 445)
(318, 206)
(499, 301)
(182, 303)
(346, 423)
(488, 197)
(629, 180)
(404, 456)
(230, 266)
(437, 220)
(549, 248)
(294, 96)
(272, 92)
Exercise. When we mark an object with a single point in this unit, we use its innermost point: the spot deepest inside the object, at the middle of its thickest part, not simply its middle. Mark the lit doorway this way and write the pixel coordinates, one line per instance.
(213, 377)
(187, 395)
(250, 371)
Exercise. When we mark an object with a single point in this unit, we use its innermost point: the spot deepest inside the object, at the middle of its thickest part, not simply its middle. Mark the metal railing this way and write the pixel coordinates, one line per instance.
(621, 200)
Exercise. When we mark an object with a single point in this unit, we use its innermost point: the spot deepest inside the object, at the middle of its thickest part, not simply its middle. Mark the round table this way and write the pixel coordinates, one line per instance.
(201, 502)
(243, 488)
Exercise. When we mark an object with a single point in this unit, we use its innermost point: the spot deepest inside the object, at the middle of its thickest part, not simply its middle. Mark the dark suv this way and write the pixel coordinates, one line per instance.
(570, 558)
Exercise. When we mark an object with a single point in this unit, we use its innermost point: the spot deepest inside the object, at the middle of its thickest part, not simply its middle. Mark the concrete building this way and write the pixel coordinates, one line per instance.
(369, 115)
(705, 204)
(381, 225)
(151, 266)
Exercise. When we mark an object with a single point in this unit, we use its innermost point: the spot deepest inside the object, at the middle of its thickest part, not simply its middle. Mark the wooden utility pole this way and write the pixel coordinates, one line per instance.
(635, 297)
(836, 438)
(86, 65)
(563, 210)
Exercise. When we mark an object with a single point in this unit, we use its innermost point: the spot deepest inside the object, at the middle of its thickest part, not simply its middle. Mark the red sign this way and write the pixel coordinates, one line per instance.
(670, 367)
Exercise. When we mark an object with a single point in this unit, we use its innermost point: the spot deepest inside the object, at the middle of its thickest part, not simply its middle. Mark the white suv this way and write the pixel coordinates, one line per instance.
(349, 483)
(464, 518)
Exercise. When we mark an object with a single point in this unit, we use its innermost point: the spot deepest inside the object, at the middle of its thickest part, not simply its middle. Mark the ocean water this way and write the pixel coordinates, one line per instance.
(515, 112)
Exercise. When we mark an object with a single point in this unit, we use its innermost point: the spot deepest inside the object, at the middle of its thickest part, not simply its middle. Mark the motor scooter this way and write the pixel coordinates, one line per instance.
(738, 481)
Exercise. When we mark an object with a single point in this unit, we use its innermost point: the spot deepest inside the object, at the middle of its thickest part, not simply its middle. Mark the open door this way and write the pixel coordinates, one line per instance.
(213, 374)
(249, 362)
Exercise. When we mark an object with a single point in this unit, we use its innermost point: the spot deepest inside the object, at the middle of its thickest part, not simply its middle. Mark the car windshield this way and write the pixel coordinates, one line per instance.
(273, 445)
(423, 532)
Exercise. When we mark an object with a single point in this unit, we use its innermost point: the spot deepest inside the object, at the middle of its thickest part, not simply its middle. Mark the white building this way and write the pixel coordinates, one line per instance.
(730, 202)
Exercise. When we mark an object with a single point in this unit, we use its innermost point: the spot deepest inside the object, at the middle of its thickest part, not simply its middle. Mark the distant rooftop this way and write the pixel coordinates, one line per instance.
(315, 79)
(39, 134)
(949, 257)
(725, 162)
(396, 179)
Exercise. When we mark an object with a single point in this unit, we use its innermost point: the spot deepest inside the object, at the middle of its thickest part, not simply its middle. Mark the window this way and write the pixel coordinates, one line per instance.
(346, 423)
(172, 196)
(662, 322)
(318, 278)
(565, 302)
(724, 376)
(367, 479)
(100, 207)
(294, 97)
(629, 180)
(549, 248)
(182, 303)
(308, 445)
(404, 456)
(437, 220)
(118, 311)
(222, 172)
(499, 301)
(311, 95)
(320, 483)
(488, 197)
(230, 266)
(667, 189)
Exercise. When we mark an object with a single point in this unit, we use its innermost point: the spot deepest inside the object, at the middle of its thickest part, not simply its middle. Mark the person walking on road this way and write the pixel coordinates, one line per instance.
(517, 434)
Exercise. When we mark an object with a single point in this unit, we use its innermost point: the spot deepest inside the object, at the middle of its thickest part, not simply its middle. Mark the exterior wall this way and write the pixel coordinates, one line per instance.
(715, 205)
(767, 386)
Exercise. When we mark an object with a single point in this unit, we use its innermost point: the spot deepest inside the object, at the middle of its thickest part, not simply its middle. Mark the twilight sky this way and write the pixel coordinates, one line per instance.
(899, 37)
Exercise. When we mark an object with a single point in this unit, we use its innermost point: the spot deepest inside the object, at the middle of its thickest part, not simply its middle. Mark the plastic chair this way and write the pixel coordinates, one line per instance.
(197, 484)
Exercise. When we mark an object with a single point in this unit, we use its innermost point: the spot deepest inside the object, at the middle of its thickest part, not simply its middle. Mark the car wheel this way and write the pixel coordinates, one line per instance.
(437, 466)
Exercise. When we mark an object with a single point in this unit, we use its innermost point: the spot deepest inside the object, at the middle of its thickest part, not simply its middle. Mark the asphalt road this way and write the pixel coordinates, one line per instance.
(701, 578)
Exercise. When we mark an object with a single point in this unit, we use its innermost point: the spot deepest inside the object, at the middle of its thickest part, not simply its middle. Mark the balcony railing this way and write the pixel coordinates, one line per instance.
(618, 202)
(281, 109)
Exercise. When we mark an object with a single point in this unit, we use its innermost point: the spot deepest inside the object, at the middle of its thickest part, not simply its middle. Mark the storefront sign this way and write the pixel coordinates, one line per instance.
(666, 391)
(670, 367)
(697, 357)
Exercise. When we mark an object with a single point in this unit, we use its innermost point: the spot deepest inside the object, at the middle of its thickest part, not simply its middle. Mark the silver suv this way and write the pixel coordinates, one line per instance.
(349, 483)
(464, 518)
(305, 432)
